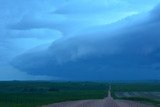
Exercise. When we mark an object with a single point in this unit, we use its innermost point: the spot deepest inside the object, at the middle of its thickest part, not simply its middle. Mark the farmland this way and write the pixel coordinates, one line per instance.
(153, 95)
(37, 93)
(143, 92)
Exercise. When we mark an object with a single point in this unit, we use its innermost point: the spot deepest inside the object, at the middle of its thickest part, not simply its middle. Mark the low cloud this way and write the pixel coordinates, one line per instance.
(10, 73)
(72, 39)
(123, 50)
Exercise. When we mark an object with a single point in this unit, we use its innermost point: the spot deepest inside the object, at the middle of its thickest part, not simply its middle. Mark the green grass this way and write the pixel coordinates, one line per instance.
(138, 87)
(33, 94)
(37, 93)
(37, 99)
(129, 87)
(41, 86)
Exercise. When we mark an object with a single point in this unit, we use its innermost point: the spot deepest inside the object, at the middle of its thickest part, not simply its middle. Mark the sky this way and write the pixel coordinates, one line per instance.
(79, 40)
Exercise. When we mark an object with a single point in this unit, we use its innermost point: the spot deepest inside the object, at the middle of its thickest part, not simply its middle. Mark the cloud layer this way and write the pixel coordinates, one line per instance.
(79, 39)
(128, 49)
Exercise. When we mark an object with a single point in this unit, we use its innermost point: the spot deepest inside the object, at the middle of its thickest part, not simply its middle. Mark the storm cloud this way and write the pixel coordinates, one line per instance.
(79, 39)
(127, 49)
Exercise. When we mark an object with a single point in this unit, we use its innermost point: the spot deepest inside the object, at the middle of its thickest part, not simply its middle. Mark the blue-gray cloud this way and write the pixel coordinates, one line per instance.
(29, 28)
(16, 41)
(74, 15)
(104, 6)
(128, 49)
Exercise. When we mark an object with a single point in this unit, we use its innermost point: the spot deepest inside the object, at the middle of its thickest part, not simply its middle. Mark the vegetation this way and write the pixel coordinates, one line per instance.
(128, 87)
(137, 87)
(143, 100)
(37, 93)
(33, 94)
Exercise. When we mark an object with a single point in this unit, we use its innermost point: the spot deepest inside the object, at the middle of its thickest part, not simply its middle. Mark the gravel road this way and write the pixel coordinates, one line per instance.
(106, 102)
(99, 103)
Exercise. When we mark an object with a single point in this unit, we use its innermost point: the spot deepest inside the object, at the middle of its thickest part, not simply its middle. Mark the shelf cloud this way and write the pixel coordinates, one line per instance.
(129, 48)
(80, 39)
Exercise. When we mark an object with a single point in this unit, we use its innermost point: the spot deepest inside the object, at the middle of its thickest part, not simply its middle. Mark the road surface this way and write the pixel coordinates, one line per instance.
(106, 102)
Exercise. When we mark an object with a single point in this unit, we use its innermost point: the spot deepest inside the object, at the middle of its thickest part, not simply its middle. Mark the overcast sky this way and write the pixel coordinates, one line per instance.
(79, 39)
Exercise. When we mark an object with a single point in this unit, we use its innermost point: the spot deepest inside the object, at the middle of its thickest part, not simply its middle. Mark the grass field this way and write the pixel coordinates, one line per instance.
(33, 94)
(37, 93)
(143, 92)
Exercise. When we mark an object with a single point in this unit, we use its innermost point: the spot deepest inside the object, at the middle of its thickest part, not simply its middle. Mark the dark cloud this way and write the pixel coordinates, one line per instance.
(125, 51)
(28, 28)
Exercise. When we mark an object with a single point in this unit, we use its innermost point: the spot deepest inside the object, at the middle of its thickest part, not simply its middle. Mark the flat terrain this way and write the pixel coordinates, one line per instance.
(38, 93)
(152, 95)
(107, 102)
(100, 103)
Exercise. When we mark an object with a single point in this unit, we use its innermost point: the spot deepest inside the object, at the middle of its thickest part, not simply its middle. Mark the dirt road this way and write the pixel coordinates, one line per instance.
(99, 103)
(107, 102)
